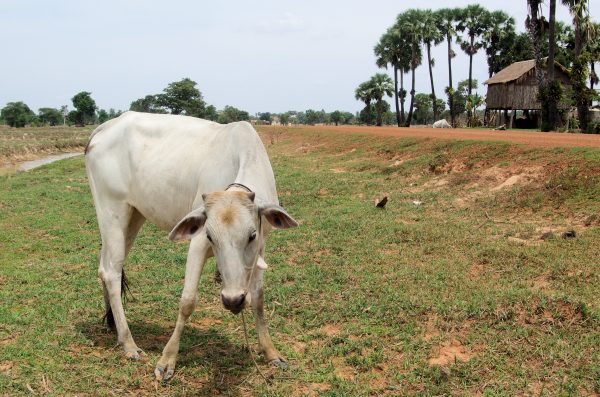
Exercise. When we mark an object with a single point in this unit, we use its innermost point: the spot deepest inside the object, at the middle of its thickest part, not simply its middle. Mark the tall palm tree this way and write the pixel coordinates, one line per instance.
(446, 23)
(364, 93)
(474, 19)
(584, 33)
(501, 29)
(408, 26)
(393, 50)
(380, 84)
(534, 29)
(594, 51)
(550, 97)
(430, 34)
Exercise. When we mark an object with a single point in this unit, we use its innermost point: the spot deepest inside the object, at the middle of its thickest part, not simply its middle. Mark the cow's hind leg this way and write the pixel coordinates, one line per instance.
(119, 224)
(264, 339)
(197, 255)
(135, 224)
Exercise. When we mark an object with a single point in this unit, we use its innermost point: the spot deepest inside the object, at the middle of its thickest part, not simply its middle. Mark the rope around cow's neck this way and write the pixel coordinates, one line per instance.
(235, 184)
(267, 382)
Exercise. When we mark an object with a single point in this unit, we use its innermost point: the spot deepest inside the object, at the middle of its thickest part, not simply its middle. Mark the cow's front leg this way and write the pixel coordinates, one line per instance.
(196, 258)
(264, 339)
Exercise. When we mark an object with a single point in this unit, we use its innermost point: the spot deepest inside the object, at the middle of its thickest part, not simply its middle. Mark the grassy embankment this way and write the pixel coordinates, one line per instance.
(455, 296)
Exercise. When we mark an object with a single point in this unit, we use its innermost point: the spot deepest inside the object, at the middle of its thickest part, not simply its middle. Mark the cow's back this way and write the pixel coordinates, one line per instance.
(161, 164)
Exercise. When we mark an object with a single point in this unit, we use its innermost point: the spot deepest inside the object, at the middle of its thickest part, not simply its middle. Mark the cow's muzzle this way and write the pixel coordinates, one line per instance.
(235, 303)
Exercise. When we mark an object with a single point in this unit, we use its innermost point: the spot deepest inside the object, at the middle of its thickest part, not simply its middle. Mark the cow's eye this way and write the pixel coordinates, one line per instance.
(208, 237)
(252, 237)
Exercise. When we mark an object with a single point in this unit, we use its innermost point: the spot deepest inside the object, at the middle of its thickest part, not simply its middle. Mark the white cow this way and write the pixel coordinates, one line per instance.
(441, 124)
(206, 182)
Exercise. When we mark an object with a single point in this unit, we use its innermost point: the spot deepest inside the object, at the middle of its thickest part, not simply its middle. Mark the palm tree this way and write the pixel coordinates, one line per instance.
(534, 29)
(364, 93)
(584, 33)
(594, 51)
(446, 21)
(380, 84)
(392, 49)
(408, 26)
(501, 30)
(474, 19)
(550, 118)
(430, 34)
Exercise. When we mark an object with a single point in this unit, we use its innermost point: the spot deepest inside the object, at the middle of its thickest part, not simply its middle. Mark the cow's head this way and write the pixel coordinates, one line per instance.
(232, 223)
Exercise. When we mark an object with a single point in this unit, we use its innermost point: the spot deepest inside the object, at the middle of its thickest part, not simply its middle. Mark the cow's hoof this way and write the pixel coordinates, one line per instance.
(134, 354)
(163, 374)
(279, 363)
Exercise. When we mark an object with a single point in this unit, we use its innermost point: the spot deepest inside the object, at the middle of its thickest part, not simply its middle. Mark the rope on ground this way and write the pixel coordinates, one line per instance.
(267, 381)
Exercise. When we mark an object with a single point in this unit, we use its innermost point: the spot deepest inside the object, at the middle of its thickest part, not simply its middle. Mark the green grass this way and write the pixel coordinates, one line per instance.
(359, 299)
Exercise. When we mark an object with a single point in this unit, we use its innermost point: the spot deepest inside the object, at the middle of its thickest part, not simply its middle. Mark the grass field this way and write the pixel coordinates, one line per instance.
(18, 144)
(449, 290)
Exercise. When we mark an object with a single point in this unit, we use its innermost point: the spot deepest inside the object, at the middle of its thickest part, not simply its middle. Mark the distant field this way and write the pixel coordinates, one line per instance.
(449, 290)
(27, 143)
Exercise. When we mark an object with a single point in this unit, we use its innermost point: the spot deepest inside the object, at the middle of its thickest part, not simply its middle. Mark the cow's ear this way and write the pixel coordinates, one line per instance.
(277, 216)
(190, 226)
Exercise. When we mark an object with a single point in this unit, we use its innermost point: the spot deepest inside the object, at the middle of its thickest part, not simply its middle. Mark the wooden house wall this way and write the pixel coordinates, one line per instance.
(520, 94)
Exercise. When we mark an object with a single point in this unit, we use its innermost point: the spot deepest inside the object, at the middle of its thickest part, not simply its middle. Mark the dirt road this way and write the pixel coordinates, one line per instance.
(530, 138)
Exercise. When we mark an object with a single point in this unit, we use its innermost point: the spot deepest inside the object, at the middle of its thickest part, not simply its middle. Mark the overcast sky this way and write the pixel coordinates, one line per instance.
(271, 55)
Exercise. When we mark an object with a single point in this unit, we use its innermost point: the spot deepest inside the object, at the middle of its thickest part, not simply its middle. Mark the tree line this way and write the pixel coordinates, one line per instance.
(407, 44)
(18, 114)
(180, 97)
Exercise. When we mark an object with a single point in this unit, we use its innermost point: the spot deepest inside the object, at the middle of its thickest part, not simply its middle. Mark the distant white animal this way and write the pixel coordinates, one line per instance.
(206, 182)
(441, 124)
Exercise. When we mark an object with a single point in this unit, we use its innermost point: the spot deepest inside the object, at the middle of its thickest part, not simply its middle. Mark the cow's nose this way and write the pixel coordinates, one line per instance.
(235, 303)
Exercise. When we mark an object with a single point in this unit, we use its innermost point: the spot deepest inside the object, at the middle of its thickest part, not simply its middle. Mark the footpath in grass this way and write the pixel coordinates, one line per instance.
(462, 285)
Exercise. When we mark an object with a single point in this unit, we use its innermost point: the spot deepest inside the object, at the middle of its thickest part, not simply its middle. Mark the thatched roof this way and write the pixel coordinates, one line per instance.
(517, 71)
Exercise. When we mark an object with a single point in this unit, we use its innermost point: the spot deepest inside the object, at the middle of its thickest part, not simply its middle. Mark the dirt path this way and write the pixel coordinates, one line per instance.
(530, 138)
(29, 165)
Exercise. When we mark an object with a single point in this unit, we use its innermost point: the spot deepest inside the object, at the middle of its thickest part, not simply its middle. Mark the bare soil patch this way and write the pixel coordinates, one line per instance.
(529, 138)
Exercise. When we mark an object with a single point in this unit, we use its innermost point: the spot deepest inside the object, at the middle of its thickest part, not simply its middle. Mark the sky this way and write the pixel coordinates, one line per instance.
(259, 56)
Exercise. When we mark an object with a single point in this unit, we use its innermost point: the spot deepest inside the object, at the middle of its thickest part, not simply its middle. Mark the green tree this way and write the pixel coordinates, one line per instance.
(409, 27)
(381, 85)
(431, 34)
(266, 116)
(102, 116)
(229, 114)
(423, 108)
(85, 109)
(447, 19)
(393, 50)
(584, 33)
(498, 39)
(312, 117)
(210, 113)
(50, 116)
(182, 97)
(475, 21)
(112, 113)
(364, 93)
(147, 104)
(336, 117)
(16, 114)
(593, 48)
(347, 118)
(284, 118)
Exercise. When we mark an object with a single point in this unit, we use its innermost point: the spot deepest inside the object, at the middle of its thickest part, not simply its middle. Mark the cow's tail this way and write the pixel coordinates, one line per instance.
(109, 318)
